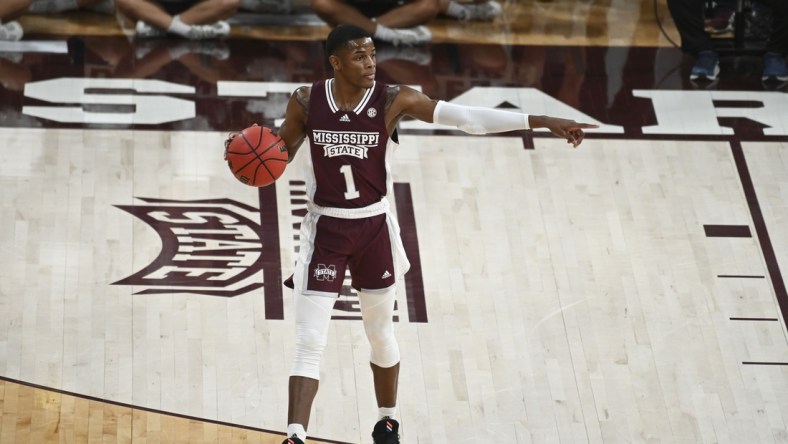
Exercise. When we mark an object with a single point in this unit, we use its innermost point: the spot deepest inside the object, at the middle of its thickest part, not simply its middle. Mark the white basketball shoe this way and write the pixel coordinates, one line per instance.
(417, 35)
(11, 31)
(147, 31)
(209, 31)
(483, 12)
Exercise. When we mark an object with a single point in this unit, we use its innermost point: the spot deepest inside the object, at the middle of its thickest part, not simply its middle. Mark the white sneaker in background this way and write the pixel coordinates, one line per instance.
(484, 12)
(11, 31)
(418, 35)
(145, 31)
(209, 31)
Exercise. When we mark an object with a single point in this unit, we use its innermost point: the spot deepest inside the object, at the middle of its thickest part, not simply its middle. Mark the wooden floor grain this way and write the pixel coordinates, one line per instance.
(37, 416)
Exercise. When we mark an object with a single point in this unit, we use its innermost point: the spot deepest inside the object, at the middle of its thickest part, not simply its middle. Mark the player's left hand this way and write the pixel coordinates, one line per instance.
(568, 129)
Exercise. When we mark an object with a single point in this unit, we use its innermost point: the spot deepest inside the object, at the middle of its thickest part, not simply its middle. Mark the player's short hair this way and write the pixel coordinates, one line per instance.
(339, 36)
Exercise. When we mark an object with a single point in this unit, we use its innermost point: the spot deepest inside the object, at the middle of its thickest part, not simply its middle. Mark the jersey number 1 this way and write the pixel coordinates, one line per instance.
(350, 185)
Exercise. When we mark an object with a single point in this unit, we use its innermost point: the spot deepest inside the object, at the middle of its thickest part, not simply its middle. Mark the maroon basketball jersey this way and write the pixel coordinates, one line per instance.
(349, 157)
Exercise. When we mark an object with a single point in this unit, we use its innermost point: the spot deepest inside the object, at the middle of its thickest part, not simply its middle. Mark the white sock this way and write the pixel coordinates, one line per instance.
(385, 33)
(297, 430)
(178, 27)
(456, 10)
(386, 411)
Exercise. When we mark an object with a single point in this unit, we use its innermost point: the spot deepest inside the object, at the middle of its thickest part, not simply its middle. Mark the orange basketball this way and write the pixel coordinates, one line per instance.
(256, 156)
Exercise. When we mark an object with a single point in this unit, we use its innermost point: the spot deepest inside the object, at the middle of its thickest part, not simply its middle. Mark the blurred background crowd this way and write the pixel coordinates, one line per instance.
(397, 22)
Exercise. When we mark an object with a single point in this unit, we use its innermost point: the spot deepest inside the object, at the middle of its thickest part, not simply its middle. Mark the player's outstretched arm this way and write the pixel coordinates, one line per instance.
(479, 120)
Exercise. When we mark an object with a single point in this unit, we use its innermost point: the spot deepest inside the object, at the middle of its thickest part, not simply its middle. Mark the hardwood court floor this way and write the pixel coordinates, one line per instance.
(627, 291)
(36, 415)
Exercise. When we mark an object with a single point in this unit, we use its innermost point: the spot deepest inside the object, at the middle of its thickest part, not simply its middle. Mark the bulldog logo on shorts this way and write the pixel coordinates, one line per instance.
(323, 273)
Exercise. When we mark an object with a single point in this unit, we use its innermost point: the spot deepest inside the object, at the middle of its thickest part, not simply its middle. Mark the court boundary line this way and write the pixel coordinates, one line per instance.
(759, 223)
(157, 411)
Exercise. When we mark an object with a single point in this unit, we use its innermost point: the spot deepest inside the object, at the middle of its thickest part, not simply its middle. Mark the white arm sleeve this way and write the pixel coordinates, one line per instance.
(478, 120)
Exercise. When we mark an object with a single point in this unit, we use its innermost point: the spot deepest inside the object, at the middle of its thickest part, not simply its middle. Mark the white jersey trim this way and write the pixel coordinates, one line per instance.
(301, 274)
(330, 96)
(364, 100)
(380, 207)
(361, 104)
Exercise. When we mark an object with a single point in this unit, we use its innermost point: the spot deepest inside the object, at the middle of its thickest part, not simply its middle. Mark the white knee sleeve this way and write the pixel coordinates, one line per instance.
(310, 344)
(377, 310)
(313, 314)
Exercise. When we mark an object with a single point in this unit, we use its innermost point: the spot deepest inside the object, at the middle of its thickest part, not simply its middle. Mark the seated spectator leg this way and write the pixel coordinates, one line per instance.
(481, 10)
(412, 13)
(210, 11)
(11, 30)
(778, 38)
(688, 16)
(774, 66)
(147, 11)
(11, 9)
(335, 12)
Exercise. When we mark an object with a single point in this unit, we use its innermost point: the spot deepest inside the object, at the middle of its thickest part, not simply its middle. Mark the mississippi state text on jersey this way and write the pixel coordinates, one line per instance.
(349, 164)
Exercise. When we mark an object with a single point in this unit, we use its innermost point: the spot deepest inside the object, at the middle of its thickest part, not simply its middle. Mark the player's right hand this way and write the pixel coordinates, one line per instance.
(230, 136)
(229, 140)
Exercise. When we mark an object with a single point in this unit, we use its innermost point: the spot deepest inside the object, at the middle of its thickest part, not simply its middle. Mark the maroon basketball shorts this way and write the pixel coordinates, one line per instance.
(370, 247)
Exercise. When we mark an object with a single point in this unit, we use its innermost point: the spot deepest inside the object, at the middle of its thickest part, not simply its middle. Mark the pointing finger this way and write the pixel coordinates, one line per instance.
(585, 126)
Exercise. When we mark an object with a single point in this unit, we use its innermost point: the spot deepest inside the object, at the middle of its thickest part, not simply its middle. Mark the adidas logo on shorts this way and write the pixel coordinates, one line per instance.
(386, 275)
(344, 118)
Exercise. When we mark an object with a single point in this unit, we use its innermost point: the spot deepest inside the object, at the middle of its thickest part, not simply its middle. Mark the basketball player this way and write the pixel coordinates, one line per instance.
(351, 122)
